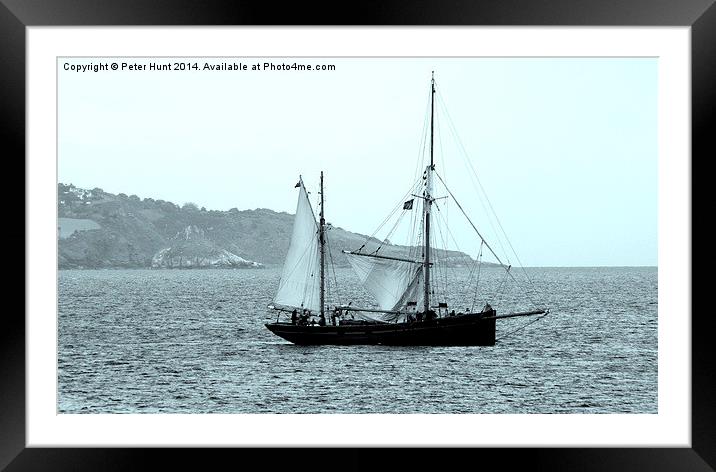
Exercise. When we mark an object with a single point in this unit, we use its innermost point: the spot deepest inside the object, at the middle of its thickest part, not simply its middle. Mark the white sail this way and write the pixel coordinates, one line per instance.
(392, 282)
(414, 292)
(300, 282)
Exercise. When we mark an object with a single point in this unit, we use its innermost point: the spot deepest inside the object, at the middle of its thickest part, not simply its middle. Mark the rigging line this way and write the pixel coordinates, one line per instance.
(416, 226)
(424, 138)
(474, 262)
(497, 218)
(471, 274)
(446, 269)
(410, 236)
(392, 230)
(447, 200)
(441, 268)
(440, 142)
(330, 256)
(483, 242)
(499, 292)
(473, 176)
(393, 211)
(519, 285)
(441, 155)
(526, 290)
(477, 282)
(470, 221)
(410, 233)
(522, 327)
(465, 257)
(416, 234)
(507, 268)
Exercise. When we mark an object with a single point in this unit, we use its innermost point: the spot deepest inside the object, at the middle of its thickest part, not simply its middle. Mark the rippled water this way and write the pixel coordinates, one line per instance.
(164, 341)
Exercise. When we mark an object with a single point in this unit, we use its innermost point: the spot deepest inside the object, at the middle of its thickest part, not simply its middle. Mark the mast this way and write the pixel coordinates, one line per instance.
(432, 115)
(322, 240)
(428, 197)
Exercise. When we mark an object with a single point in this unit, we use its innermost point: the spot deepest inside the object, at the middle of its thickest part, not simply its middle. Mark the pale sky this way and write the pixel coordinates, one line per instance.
(565, 148)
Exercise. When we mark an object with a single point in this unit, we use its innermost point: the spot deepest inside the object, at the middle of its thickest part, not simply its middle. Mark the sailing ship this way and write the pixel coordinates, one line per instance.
(406, 311)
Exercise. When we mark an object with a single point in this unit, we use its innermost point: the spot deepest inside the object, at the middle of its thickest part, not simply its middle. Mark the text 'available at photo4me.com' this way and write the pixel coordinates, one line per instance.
(197, 66)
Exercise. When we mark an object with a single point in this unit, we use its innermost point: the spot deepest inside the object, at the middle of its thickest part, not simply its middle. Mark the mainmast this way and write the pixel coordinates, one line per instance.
(427, 201)
(322, 240)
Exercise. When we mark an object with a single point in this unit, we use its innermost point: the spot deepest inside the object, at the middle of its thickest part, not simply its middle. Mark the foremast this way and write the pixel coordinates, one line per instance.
(428, 199)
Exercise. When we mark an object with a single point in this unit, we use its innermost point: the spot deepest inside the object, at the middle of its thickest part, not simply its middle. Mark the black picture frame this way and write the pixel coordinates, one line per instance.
(16, 15)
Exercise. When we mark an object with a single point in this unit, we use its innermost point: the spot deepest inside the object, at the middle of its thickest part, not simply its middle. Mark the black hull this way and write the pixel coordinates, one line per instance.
(463, 330)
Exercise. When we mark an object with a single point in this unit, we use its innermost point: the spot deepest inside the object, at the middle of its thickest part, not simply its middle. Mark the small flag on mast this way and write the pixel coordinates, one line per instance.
(297, 185)
(408, 205)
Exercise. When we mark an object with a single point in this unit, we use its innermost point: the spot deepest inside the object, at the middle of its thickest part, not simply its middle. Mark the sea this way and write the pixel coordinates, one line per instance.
(194, 341)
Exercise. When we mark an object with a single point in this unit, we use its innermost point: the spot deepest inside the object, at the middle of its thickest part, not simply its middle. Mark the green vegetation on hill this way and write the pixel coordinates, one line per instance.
(133, 230)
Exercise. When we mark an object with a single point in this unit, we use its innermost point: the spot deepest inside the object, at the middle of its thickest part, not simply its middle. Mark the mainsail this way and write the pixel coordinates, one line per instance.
(300, 283)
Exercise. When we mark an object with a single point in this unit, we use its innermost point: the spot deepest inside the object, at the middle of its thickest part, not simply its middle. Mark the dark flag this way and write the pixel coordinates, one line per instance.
(408, 205)
(297, 185)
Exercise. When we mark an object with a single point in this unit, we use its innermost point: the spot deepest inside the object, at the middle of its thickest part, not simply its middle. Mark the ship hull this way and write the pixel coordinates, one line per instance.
(477, 329)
